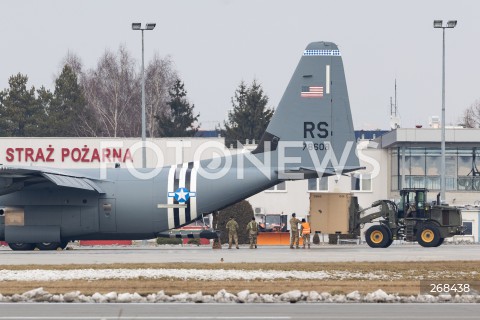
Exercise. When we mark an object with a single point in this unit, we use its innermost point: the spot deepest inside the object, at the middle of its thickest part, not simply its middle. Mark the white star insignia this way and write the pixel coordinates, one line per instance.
(182, 195)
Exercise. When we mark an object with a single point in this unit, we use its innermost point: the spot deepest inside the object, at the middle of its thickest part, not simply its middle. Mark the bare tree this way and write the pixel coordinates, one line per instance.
(112, 90)
(160, 77)
(471, 116)
(74, 62)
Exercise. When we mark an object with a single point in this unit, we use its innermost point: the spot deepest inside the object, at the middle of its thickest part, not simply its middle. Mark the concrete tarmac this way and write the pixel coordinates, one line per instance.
(300, 311)
(205, 254)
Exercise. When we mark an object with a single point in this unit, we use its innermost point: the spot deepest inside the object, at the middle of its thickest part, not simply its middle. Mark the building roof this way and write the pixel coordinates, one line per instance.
(430, 137)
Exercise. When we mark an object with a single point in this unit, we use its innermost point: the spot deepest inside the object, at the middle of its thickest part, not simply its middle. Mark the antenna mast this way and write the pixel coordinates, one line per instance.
(394, 116)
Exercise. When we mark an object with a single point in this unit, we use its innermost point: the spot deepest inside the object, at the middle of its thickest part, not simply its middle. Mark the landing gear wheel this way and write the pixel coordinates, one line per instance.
(21, 246)
(378, 237)
(49, 245)
(429, 236)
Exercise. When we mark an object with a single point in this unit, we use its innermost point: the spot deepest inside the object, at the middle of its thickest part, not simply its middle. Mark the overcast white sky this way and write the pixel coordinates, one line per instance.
(217, 43)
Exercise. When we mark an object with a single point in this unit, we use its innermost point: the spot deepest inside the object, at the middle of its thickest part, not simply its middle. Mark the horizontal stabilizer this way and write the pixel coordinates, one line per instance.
(310, 172)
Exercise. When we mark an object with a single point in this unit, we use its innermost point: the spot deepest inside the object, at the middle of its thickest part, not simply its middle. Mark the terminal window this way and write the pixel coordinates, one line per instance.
(421, 168)
(282, 186)
(318, 184)
(361, 182)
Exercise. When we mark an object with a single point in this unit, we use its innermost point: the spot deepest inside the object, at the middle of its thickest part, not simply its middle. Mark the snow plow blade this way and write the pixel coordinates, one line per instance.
(274, 239)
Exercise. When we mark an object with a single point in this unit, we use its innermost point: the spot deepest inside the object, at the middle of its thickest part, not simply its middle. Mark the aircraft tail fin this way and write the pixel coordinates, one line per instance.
(313, 120)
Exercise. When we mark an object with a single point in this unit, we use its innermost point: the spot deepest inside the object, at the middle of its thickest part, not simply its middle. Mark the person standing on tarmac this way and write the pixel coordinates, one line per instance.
(294, 230)
(232, 227)
(305, 231)
(252, 228)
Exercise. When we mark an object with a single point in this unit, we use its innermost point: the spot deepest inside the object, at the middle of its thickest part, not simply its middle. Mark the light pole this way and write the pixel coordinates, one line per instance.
(439, 24)
(148, 26)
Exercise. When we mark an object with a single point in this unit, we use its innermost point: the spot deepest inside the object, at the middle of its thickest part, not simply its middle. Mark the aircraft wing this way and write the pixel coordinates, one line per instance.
(13, 179)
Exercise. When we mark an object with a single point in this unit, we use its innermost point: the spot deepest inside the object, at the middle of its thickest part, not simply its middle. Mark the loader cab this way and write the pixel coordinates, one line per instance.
(412, 203)
(273, 222)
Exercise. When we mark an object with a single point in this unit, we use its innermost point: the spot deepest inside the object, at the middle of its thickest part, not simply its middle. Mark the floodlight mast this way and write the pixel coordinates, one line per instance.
(439, 24)
(148, 26)
(451, 23)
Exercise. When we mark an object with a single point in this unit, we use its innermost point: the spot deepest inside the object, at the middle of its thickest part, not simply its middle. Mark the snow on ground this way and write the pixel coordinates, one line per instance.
(40, 295)
(212, 274)
(222, 296)
(186, 274)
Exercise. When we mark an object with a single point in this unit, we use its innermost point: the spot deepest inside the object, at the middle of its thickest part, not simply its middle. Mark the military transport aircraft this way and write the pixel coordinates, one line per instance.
(310, 135)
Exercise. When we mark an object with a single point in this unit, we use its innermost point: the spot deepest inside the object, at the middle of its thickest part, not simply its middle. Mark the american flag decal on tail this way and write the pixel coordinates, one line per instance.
(312, 92)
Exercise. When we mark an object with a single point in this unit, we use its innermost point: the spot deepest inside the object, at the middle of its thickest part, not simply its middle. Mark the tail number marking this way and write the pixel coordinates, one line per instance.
(313, 130)
(315, 146)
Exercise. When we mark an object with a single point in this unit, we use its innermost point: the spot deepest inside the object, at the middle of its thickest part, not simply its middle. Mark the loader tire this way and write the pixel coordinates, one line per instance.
(429, 236)
(378, 236)
(389, 243)
(390, 237)
(440, 242)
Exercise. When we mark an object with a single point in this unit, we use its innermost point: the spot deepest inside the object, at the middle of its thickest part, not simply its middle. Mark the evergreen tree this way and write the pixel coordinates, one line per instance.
(250, 115)
(22, 115)
(67, 105)
(44, 102)
(3, 122)
(179, 119)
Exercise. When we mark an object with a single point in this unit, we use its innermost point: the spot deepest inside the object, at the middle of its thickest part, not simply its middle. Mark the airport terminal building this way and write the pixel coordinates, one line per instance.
(401, 158)
(393, 160)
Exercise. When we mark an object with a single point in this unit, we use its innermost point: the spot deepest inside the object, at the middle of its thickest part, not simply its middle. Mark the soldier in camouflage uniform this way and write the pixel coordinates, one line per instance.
(252, 228)
(294, 230)
(232, 227)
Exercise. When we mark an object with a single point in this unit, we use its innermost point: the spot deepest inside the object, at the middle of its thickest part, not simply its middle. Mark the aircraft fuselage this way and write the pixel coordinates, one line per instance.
(129, 207)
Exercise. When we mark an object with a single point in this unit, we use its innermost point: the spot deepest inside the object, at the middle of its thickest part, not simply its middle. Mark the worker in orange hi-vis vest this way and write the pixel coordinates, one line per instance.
(305, 231)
